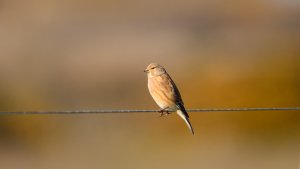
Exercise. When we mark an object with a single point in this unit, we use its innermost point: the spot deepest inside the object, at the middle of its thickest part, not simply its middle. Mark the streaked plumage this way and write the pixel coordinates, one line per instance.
(165, 93)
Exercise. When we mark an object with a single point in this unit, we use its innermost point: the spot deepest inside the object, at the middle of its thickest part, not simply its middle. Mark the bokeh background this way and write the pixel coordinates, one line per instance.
(68, 55)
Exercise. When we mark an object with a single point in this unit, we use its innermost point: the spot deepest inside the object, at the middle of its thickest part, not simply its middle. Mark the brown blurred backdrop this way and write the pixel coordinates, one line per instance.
(58, 55)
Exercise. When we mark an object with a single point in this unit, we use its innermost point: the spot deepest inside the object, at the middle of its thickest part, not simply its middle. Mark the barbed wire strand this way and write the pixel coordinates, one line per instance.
(99, 111)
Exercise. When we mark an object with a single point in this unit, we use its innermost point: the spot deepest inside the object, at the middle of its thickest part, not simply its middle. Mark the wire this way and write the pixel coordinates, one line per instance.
(98, 111)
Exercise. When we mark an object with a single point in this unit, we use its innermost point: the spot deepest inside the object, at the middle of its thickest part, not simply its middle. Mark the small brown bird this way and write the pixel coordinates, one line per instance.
(165, 93)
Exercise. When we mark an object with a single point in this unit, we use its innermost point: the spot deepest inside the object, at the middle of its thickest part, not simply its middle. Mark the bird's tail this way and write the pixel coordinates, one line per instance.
(185, 117)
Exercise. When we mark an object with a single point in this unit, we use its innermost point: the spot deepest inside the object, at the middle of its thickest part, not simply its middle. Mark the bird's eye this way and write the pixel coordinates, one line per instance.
(153, 68)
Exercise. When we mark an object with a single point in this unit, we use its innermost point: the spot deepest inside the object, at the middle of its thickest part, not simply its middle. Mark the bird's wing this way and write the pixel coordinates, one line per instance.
(179, 102)
(176, 92)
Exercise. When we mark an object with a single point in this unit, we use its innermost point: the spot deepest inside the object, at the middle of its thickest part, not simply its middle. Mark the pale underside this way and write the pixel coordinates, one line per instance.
(164, 92)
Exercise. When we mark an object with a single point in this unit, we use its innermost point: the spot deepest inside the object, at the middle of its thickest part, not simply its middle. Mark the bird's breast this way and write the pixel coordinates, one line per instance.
(161, 90)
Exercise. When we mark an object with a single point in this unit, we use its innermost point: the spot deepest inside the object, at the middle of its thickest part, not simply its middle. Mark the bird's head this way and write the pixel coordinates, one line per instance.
(154, 69)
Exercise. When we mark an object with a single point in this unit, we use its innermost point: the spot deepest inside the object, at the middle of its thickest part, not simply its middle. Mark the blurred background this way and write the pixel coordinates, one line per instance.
(68, 55)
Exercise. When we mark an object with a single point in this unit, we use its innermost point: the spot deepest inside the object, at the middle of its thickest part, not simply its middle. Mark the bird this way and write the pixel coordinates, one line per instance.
(165, 93)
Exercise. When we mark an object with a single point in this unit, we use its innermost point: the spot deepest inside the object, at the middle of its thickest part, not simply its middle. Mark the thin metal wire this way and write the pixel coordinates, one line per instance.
(98, 111)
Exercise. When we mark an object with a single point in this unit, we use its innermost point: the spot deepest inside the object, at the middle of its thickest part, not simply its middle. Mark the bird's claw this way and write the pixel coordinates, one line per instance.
(163, 112)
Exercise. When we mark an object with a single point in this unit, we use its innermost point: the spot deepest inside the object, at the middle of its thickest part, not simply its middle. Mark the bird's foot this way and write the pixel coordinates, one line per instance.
(163, 112)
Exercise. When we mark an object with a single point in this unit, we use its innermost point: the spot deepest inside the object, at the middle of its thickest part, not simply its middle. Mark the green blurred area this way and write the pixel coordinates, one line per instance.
(67, 55)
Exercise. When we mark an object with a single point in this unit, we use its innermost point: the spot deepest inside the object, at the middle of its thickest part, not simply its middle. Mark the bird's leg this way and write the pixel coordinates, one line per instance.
(163, 112)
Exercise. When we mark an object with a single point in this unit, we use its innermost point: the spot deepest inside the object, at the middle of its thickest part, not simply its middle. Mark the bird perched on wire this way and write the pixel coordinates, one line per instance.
(165, 93)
